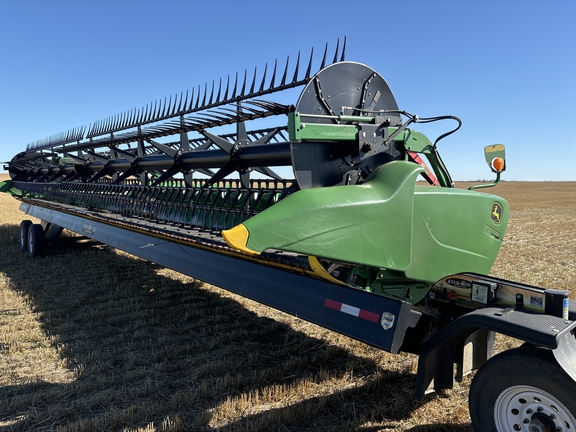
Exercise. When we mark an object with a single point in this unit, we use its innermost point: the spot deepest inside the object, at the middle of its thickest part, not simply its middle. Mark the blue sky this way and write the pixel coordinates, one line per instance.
(506, 68)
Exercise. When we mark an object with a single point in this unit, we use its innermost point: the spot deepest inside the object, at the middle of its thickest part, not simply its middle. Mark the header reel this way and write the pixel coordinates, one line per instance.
(132, 146)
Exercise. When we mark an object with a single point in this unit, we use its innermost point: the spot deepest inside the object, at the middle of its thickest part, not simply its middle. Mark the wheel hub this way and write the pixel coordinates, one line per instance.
(541, 422)
(526, 408)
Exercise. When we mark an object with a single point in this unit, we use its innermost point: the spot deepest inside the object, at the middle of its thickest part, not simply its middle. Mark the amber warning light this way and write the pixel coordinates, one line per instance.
(498, 164)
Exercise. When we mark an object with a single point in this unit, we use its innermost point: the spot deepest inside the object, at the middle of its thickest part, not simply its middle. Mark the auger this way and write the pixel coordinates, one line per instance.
(333, 209)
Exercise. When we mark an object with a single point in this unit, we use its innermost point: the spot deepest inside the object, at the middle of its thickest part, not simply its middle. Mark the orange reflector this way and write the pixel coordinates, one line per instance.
(498, 164)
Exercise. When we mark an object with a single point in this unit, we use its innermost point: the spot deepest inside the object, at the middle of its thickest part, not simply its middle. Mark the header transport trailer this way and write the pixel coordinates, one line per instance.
(333, 209)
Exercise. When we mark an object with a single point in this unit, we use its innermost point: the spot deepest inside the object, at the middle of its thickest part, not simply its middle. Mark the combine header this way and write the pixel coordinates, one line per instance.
(333, 209)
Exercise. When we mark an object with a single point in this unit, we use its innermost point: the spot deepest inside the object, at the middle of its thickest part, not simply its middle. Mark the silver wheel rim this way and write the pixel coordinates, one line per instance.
(530, 409)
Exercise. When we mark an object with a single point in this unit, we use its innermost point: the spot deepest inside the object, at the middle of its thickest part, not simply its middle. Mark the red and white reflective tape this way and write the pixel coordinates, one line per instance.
(352, 310)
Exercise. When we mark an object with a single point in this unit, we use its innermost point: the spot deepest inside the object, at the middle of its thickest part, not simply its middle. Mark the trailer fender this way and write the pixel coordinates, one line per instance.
(565, 354)
(468, 340)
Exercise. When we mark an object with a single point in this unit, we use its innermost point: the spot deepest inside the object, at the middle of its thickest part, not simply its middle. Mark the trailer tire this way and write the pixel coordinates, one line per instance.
(35, 243)
(23, 235)
(523, 389)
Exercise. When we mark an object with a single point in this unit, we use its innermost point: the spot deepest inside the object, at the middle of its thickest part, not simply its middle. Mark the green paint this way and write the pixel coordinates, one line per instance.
(300, 131)
(6, 187)
(421, 233)
(346, 223)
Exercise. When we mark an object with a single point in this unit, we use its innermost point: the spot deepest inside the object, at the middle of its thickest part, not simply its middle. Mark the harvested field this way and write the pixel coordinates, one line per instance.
(94, 339)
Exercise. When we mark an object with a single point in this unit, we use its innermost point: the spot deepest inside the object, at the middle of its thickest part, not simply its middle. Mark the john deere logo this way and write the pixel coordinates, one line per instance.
(496, 213)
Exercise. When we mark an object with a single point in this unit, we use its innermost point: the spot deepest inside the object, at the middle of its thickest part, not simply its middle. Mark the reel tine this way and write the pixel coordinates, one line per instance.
(164, 109)
(342, 58)
(323, 64)
(309, 65)
(197, 98)
(191, 99)
(227, 87)
(219, 91)
(264, 78)
(175, 103)
(336, 51)
(157, 111)
(180, 104)
(160, 108)
(273, 75)
(283, 81)
(185, 102)
(103, 126)
(211, 93)
(244, 83)
(205, 91)
(296, 70)
(149, 112)
(235, 86)
(123, 120)
(152, 111)
(253, 82)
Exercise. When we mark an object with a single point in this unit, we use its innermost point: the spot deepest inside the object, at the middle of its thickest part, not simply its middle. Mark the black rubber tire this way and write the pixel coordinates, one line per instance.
(509, 390)
(35, 244)
(23, 236)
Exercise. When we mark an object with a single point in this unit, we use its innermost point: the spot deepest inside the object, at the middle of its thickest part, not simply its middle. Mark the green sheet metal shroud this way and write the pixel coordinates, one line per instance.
(389, 222)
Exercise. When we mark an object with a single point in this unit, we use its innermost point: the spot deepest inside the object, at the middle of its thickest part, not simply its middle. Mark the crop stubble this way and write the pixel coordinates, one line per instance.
(94, 339)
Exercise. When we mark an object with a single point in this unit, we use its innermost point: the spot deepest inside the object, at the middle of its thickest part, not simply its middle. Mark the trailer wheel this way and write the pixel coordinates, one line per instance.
(23, 238)
(35, 240)
(523, 389)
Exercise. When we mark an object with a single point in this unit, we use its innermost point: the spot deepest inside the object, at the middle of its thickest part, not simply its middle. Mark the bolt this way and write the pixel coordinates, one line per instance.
(539, 409)
(529, 411)
(552, 416)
